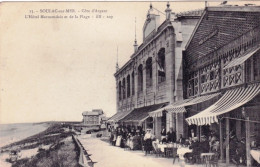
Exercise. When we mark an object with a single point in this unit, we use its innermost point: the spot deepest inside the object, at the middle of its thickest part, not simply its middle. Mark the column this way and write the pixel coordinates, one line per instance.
(158, 127)
(144, 83)
(136, 87)
(155, 76)
(221, 141)
(180, 125)
(238, 129)
(170, 65)
(227, 141)
(248, 156)
(117, 96)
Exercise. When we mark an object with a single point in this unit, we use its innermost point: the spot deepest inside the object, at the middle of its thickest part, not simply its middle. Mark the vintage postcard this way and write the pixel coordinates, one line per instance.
(124, 84)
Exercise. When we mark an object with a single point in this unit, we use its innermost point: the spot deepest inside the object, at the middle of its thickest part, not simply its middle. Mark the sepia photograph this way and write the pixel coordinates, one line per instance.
(130, 83)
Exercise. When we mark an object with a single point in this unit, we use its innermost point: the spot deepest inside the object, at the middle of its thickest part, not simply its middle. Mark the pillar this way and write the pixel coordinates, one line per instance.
(144, 83)
(238, 129)
(136, 87)
(158, 127)
(221, 141)
(180, 125)
(248, 156)
(170, 66)
(227, 141)
(155, 75)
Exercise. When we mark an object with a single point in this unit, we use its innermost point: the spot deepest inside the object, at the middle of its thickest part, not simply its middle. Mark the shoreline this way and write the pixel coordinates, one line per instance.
(34, 148)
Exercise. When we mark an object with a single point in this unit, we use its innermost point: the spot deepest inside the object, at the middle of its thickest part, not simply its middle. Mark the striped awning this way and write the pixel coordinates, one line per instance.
(242, 59)
(179, 106)
(120, 115)
(141, 114)
(231, 100)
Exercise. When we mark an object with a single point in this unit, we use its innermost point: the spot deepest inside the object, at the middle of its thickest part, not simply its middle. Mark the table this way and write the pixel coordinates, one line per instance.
(256, 155)
(206, 158)
(183, 150)
(162, 146)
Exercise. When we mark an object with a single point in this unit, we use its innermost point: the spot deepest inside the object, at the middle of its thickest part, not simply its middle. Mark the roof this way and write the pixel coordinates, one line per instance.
(194, 13)
(190, 13)
(231, 100)
(139, 114)
(90, 113)
(217, 27)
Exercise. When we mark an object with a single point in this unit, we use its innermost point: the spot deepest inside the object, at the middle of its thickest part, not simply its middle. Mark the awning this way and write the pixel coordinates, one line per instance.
(242, 59)
(140, 114)
(118, 116)
(179, 106)
(231, 100)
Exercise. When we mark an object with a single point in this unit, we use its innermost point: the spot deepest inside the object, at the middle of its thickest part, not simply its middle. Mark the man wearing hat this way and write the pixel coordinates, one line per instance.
(171, 136)
(195, 146)
(204, 144)
(163, 134)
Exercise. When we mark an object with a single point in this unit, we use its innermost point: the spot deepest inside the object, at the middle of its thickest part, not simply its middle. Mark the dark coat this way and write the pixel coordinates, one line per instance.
(171, 137)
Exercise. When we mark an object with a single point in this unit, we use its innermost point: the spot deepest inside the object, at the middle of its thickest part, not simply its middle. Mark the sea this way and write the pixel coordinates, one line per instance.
(10, 133)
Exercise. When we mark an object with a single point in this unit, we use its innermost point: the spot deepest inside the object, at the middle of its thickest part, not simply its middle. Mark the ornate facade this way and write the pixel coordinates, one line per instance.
(153, 75)
(223, 56)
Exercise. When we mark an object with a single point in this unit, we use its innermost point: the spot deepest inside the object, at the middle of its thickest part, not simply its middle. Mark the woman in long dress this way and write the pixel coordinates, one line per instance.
(148, 137)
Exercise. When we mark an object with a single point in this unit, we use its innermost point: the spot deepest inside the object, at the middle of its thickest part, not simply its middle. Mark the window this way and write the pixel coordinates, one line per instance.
(140, 78)
(120, 90)
(149, 72)
(161, 65)
(128, 86)
(193, 86)
(123, 88)
(203, 78)
(211, 75)
(256, 66)
(133, 83)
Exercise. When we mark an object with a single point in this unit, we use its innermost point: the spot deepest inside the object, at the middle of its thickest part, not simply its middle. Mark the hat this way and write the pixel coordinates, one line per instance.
(203, 136)
(195, 138)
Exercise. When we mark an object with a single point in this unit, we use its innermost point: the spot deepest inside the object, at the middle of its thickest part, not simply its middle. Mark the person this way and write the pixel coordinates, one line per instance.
(195, 146)
(204, 145)
(240, 153)
(212, 140)
(136, 142)
(192, 133)
(181, 140)
(148, 137)
(119, 137)
(163, 135)
(171, 136)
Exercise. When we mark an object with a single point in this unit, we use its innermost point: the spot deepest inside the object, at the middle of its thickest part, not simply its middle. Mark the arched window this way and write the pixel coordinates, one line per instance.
(123, 88)
(133, 83)
(149, 72)
(120, 90)
(161, 65)
(128, 85)
(140, 78)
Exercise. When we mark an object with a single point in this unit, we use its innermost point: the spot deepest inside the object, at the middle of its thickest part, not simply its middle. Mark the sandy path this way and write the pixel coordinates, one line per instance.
(111, 156)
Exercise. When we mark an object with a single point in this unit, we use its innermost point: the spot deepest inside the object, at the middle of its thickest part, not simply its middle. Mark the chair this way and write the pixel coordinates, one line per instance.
(214, 160)
(174, 154)
(157, 150)
(168, 152)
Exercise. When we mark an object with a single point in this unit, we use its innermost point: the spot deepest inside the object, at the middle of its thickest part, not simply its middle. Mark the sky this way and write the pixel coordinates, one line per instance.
(55, 69)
